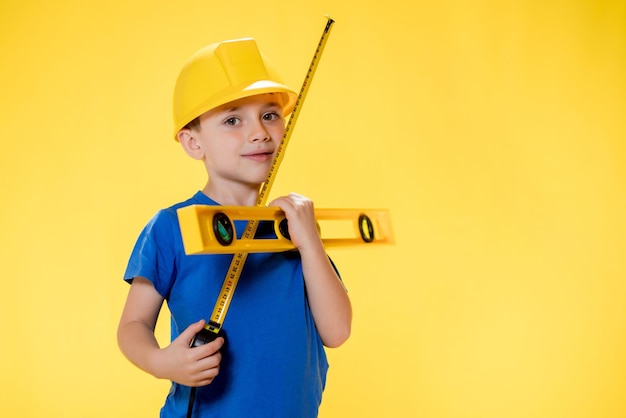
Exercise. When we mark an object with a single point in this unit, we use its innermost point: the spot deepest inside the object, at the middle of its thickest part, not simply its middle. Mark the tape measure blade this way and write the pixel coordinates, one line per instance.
(293, 118)
(234, 270)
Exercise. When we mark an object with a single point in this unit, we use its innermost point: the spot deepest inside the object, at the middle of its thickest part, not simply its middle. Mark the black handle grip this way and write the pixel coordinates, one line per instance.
(204, 337)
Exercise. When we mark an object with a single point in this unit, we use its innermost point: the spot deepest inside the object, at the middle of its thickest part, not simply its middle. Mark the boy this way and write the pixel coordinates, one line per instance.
(229, 113)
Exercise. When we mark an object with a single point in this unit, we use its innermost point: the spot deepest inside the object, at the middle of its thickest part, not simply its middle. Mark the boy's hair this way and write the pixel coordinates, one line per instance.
(193, 124)
(221, 73)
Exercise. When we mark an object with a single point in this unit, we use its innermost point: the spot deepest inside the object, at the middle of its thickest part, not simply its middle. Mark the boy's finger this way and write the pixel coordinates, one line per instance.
(187, 335)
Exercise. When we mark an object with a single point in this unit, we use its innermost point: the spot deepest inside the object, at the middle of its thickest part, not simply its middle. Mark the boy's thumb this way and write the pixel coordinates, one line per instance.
(191, 331)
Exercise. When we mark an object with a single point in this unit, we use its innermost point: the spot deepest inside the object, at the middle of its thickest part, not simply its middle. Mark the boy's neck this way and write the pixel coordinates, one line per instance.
(241, 195)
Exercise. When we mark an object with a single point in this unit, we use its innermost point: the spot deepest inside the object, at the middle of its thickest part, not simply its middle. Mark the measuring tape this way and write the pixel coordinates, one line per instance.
(212, 328)
(211, 229)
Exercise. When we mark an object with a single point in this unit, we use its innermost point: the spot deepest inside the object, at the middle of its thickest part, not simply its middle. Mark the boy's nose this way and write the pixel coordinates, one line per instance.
(258, 132)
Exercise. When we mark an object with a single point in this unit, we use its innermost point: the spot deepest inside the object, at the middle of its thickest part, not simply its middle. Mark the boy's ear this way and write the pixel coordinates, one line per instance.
(190, 144)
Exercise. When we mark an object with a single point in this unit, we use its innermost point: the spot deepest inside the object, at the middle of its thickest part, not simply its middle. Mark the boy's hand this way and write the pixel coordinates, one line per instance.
(195, 366)
(300, 215)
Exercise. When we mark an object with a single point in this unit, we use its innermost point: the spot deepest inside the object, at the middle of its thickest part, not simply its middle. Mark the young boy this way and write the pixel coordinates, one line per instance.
(229, 113)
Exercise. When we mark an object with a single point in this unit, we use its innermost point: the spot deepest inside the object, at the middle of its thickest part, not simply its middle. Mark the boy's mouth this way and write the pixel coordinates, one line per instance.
(259, 156)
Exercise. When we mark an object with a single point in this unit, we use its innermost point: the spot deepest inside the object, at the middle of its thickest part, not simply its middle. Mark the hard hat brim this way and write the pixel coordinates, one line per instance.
(236, 93)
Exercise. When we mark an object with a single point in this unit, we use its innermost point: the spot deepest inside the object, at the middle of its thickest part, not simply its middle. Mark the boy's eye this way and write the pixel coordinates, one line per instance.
(271, 116)
(231, 121)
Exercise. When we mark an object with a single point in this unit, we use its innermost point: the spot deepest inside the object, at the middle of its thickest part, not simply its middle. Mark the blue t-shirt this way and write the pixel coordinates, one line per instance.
(273, 362)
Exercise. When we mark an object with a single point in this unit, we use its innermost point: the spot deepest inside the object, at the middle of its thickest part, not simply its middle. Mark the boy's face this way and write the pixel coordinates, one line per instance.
(237, 141)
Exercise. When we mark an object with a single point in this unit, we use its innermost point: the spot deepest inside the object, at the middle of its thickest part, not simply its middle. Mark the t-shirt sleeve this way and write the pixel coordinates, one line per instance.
(153, 256)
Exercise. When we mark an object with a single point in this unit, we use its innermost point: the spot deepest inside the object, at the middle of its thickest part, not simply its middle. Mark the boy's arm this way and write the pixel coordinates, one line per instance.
(327, 296)
(178, 362)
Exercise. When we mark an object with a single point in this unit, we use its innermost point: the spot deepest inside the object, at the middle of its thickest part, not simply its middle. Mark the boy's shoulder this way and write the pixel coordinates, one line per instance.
(169, 215)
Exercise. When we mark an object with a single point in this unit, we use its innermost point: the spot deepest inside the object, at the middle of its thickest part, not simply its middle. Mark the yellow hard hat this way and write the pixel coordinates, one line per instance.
(222, 72)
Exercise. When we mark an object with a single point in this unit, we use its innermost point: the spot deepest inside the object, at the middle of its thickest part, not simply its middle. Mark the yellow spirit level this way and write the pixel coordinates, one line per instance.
(211, 229)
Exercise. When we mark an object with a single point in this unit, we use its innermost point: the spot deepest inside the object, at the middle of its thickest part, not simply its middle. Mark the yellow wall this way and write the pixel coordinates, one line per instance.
(494, 131)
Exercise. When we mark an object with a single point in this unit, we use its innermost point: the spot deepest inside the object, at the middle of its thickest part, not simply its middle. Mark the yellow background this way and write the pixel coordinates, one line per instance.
(494, 131)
